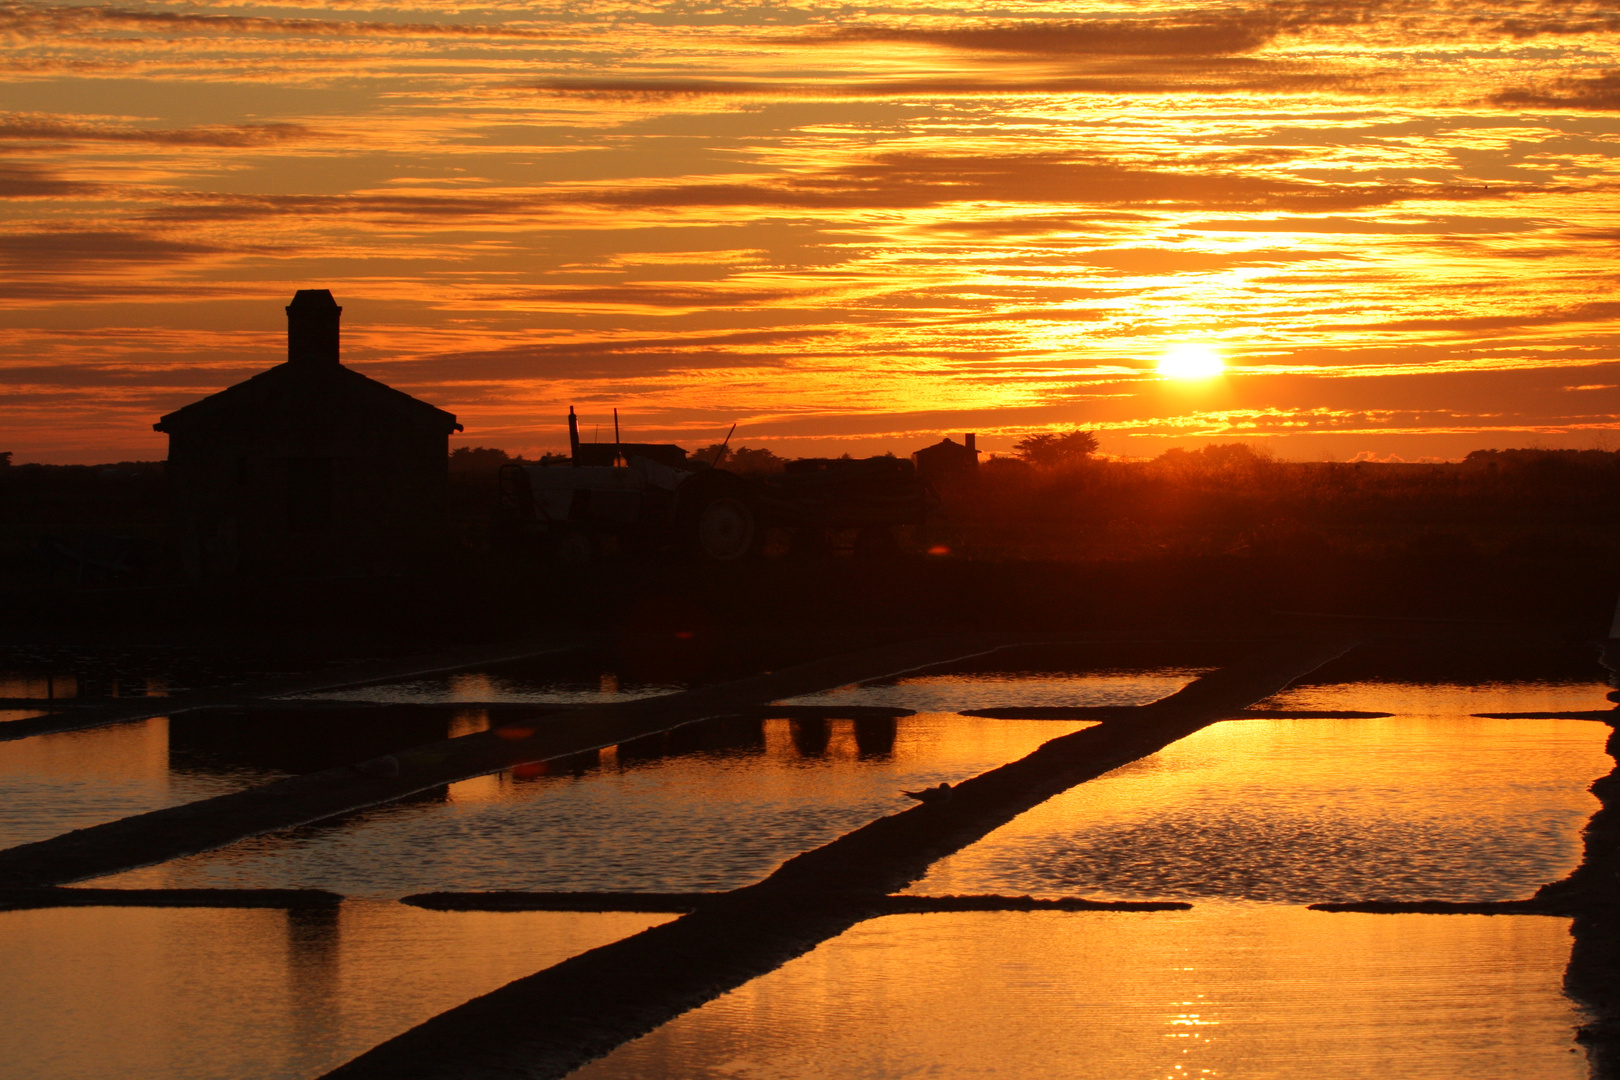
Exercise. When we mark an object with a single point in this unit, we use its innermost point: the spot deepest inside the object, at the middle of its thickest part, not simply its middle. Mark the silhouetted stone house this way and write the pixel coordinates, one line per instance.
(309, 467)
(948, 460)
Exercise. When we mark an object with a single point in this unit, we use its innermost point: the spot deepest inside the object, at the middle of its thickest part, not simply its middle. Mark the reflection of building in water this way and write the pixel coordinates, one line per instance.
(810, 737)
(874, 736)
(309, 467)
(314, 974)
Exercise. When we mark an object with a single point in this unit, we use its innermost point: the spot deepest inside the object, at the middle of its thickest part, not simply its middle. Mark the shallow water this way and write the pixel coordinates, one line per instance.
(507, 686)
(1257, 993)
(198, 994)
(709, 806)
(51, 784)
(1446, 699)
(1430, 804)
(1008, 689)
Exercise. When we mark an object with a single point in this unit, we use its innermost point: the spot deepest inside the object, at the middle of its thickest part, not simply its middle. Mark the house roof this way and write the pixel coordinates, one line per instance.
(289, 386)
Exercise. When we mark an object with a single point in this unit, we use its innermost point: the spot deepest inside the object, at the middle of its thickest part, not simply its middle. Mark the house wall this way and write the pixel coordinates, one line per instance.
(279, 491)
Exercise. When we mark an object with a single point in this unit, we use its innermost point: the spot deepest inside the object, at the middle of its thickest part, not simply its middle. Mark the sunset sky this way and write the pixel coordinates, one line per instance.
(843, 227)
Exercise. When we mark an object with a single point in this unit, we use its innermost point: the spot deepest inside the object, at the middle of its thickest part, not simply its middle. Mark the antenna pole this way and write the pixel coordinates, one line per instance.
(720, 453)
(573, 437)
(618, 451)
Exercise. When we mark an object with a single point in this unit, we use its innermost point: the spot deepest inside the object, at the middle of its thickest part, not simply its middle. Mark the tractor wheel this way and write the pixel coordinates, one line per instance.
(724, 528)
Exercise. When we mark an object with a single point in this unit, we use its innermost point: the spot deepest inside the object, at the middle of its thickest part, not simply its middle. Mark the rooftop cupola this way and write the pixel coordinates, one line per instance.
(312, 327)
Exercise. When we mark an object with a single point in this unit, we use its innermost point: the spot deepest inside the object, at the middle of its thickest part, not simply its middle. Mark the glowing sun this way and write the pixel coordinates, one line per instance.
(1190, 361)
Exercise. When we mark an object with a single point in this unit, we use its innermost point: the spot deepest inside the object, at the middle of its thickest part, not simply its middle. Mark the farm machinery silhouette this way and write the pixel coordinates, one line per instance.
(626, 496)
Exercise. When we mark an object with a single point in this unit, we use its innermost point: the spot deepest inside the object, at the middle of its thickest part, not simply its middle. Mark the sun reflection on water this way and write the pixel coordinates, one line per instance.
(1221, 990)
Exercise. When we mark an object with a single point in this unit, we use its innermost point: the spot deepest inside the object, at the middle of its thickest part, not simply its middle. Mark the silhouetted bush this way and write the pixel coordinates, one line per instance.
(743, 460)
(1051, 450)
(1233, 500)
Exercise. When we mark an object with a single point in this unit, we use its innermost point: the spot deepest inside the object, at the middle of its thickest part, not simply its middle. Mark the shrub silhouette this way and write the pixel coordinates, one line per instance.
(1051, 450)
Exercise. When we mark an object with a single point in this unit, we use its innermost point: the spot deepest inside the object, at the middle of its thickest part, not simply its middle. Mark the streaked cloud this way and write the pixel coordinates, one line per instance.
(53, 20)
(1199, 35)
(23, 127)
(847, 226)
(1597, 92)
(42, 252)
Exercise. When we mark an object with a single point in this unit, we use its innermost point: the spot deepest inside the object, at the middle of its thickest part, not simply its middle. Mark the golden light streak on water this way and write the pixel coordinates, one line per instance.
(1430, 804)
(193, 994)
(714, 808)
(1218, 991)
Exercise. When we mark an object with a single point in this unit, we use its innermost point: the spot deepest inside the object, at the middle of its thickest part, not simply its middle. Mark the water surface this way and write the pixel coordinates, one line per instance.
(506, 685)
(1253, 993)
(51, 784)
(707, 806)
(198, 994)
(993, 689)
(1431, 804)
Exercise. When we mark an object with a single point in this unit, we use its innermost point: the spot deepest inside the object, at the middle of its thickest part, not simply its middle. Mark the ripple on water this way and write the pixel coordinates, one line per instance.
(1011, 689)
(1440, 807)
(709, 806)
(198, 994)
(52, 784)
(1258, 993)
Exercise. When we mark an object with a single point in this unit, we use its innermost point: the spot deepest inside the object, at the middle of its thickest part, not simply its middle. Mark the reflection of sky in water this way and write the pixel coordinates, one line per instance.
(1252, 993)
(51, 784)
(1445, 699)
(713, 818)
(485, 686)
(1429, 804)
(1005, 689)
(192, 994)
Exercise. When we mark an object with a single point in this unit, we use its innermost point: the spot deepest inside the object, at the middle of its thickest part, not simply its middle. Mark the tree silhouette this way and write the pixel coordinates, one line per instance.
(1051, 449)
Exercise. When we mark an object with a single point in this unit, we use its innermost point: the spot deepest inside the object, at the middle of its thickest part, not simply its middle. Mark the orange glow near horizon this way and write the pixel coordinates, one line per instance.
(843, 230)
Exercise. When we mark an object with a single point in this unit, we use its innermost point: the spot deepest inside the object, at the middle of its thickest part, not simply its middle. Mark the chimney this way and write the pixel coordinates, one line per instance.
(971, 441)
(312, 327)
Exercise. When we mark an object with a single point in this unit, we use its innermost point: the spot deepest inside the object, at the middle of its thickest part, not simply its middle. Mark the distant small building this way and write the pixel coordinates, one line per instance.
(309, 468)
(948, 460)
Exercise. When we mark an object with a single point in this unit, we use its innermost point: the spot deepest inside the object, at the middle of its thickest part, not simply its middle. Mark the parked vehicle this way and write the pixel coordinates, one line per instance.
(652, 495)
